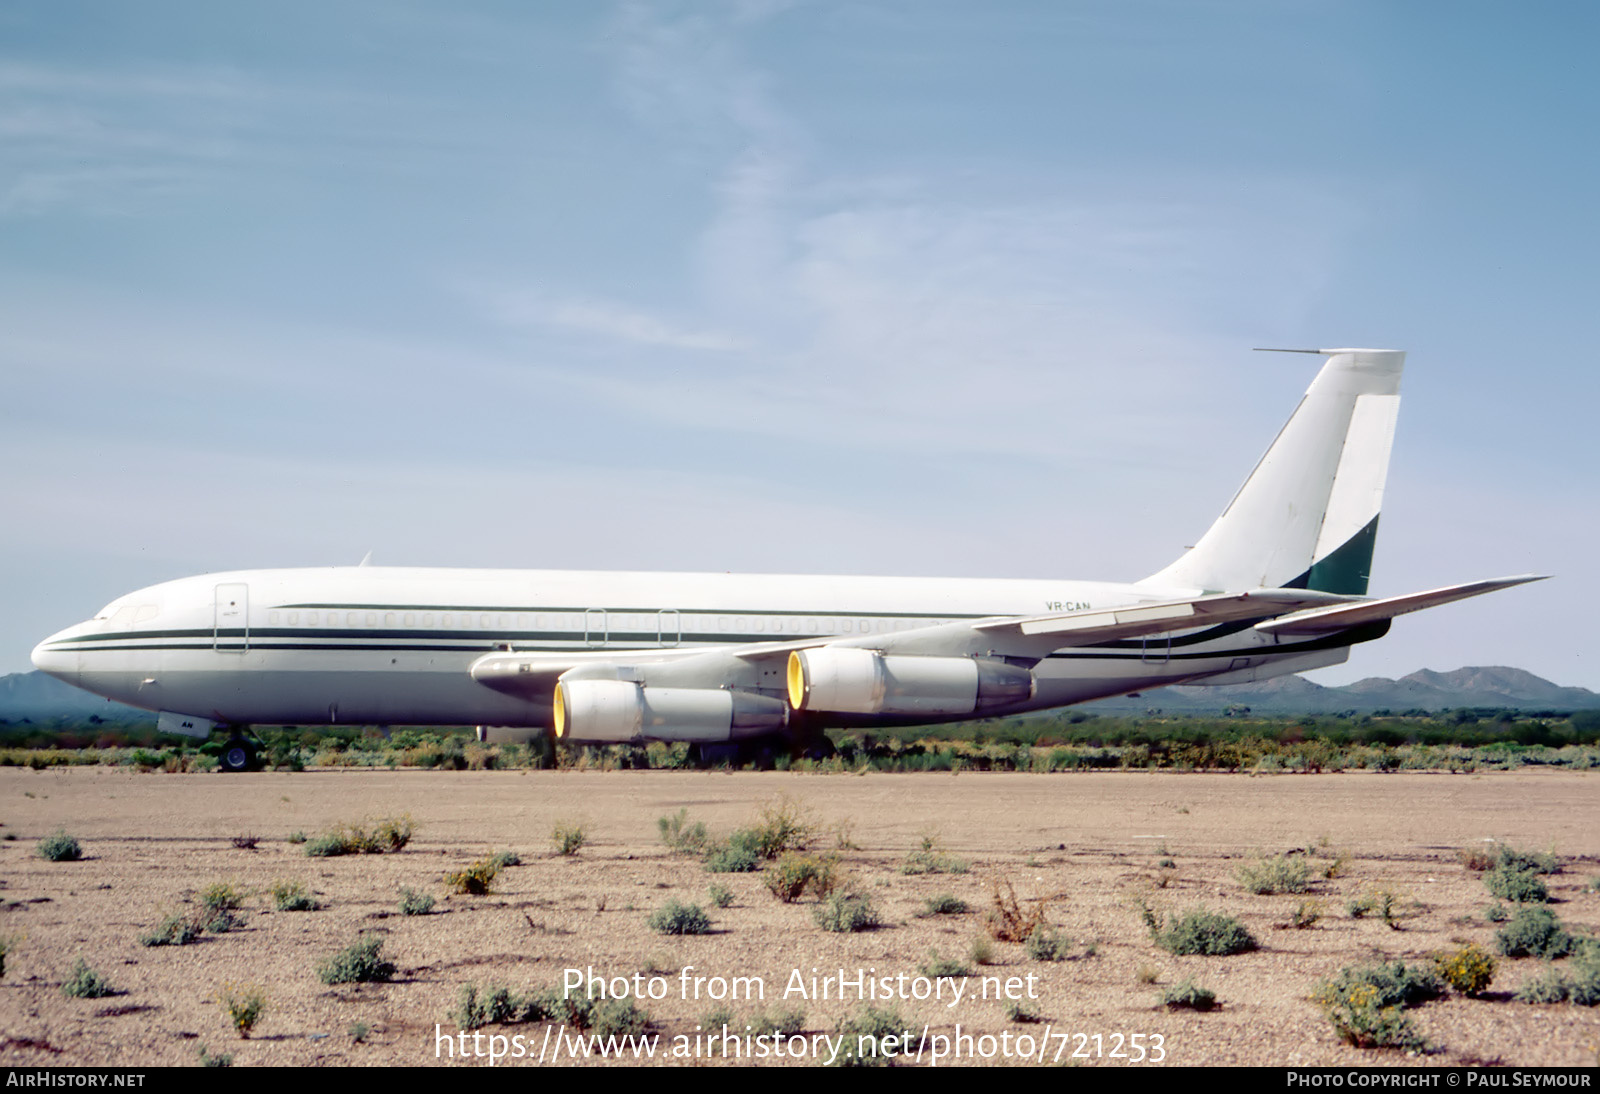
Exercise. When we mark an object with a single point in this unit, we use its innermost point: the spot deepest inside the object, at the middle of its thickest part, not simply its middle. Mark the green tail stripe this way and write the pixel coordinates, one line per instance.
(1346, 569)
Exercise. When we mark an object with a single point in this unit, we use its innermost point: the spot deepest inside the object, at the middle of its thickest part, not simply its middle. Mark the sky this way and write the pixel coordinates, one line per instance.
(845, 286)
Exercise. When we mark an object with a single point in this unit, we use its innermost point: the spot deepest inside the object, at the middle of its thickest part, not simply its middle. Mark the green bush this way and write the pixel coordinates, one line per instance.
(1046, 944)
(720, 895)
(221, 896)
(863, 1036)
(173, 930)
(568, 837)
(779, 1020)
(678, 834)
(393, 833)
(617, 1018)
(930, 858)
(1199, 931)
(943, 904)
(292, 896)
(782, 825)
(1584, 987)
(1365, 1004)
(1517, 886)
(1020, 1012)
(793, 874)
(358, 963)
(1508, 857)
(413, 902)
(1306, 915)
(678, 918)
(938, 965)
(1279, 874)
(1547, 986)
(1188, 996)
(1364, 1025)
(1389, 984)
(476, 1008)
(245, 1004)
(474, 879)
(845, 912)
(85, 983)
(740, 854)
(1468, 970)
(59, 847)
(388, 834)
(1533, 932)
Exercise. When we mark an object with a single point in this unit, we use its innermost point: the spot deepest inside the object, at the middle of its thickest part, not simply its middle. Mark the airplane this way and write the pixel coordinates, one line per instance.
(724, 661)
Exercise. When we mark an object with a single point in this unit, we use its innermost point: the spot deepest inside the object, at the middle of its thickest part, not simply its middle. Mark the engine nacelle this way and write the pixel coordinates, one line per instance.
(507, 735)
(845, 680)
(620, 710)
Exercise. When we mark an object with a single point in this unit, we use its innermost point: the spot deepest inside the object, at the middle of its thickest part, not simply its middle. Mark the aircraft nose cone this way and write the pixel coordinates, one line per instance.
(51, 658)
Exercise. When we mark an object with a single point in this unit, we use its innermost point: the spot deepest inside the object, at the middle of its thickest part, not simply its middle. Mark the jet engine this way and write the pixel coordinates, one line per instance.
(846, 680)
(621, 710)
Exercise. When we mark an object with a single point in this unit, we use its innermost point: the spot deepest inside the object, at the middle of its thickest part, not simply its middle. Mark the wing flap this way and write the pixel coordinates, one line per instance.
(1086, 628)
(1340, 616)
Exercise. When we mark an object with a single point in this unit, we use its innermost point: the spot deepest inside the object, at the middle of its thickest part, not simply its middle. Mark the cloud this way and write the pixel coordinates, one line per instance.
(603, 319)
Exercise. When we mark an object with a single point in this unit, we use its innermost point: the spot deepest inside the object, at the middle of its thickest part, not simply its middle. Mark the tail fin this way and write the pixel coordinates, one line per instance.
(1307, 517)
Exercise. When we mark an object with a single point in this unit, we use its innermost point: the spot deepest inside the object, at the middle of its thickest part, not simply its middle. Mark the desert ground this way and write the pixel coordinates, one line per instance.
(1089, 846)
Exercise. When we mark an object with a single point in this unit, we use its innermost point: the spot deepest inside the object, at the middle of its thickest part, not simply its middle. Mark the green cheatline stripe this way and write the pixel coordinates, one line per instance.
(618, 611)
(257, 635)
(1365, 633)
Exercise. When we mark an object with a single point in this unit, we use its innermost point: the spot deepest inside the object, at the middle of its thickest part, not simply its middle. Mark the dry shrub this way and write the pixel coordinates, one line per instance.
(1007, 920)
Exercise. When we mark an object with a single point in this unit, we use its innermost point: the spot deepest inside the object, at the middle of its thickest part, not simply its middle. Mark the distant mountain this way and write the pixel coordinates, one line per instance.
(37, 697)
(1422, 690)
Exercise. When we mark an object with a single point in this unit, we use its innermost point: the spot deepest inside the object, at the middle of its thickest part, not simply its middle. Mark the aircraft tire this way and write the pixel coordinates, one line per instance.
(237, 755)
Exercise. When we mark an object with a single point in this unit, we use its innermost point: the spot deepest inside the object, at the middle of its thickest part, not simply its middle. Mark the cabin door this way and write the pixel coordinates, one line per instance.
(230, 628)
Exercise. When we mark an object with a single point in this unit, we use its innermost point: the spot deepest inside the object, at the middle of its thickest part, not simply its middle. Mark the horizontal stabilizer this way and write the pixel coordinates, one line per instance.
(1086, 628)
(1339, 617)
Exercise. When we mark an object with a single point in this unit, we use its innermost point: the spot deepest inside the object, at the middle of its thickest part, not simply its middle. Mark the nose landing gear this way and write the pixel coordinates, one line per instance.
(239, 754)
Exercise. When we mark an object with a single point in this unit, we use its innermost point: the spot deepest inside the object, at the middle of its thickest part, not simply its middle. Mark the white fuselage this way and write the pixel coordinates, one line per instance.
(371, 645)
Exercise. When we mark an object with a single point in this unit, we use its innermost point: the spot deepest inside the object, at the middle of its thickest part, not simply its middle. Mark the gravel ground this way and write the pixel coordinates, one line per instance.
(1088, 846)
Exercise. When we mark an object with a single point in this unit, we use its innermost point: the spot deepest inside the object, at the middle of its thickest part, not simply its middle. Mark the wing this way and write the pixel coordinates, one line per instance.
(534, 674)
(1089, 627)
(1338, 617)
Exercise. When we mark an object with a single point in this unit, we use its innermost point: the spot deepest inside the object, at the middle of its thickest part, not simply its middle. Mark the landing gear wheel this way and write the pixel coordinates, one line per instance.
(237, 755)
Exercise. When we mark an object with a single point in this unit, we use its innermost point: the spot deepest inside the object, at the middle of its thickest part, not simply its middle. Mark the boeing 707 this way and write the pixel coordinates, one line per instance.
(1277, 585)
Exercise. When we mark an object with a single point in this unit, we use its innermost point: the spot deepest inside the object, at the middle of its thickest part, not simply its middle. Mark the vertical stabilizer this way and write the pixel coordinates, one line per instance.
(1307, 517)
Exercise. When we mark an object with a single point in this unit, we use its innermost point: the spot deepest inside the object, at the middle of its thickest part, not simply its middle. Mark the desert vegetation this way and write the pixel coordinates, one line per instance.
(1464, 740)
(1043, 906)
